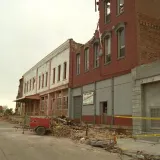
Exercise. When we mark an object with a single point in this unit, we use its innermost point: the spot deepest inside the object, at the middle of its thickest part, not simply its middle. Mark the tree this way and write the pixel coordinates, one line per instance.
(7, 111)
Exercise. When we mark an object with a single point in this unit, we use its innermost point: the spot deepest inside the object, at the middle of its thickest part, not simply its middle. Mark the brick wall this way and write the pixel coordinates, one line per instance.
(148, 39)
(148, 28)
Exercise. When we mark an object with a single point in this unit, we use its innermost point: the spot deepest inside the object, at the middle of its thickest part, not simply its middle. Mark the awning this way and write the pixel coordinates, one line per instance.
(28, 98)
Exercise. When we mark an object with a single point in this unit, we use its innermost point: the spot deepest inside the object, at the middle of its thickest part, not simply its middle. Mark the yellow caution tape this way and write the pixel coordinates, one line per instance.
(151, 118)
(147, 135)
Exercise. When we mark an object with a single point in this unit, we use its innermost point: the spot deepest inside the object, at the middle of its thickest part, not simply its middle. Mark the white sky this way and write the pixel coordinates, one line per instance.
(30, 29)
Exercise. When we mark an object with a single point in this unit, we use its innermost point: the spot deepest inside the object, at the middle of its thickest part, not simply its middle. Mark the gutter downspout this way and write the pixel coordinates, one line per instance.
(95, 100)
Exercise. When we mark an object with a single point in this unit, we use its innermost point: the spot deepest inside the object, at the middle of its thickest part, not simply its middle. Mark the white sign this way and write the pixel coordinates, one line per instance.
(88, 98)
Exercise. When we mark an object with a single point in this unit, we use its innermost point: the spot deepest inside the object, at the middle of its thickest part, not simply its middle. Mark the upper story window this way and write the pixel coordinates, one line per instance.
(27, 86)
(46, 79)
(121, 42)
(30, 84)
(54, 75)
(107, 49)
(120, 6)
(39, 82)
(86, 59)
(33, 83)
(65, 70)
(78, 63)
(96, 55)
(59, 73)
(107, 10)
(42, 80)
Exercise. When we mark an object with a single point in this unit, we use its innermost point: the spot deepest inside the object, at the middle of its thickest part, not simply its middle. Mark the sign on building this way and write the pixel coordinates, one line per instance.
(88, 98)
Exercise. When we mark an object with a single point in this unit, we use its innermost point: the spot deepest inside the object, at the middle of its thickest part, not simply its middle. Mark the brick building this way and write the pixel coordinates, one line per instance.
(104, 82)
(19, 110)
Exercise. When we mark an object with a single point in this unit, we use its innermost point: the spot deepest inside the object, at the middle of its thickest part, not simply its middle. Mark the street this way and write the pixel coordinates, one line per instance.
(17, 146)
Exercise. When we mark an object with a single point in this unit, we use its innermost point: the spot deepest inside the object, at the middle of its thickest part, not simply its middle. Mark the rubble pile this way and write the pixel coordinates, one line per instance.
(61, 131)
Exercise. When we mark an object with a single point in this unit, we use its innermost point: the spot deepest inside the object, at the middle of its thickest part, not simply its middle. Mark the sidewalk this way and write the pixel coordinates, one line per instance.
(139, 145)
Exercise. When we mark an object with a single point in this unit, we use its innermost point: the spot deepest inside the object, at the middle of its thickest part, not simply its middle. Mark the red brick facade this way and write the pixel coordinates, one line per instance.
(117, 66)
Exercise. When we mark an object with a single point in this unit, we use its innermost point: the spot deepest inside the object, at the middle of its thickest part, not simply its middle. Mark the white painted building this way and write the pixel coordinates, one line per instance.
(45, 85)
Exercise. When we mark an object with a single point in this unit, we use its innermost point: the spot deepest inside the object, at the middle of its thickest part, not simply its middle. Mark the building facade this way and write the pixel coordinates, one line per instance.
(116, 73)
(103, 84)
(19, 110)
(45, 85)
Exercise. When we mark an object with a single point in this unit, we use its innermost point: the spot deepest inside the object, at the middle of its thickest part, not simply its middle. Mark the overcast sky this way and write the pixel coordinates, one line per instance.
(30, 29)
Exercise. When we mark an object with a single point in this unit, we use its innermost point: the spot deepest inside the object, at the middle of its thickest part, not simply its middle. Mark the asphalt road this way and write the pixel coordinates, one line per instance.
(17, 146)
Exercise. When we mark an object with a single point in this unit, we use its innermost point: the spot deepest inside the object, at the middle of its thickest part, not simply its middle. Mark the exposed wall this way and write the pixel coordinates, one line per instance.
(59, 59)
(148, 27)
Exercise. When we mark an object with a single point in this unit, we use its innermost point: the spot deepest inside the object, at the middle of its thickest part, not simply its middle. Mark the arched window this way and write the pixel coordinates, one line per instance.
(107, 10)
(120, 31)
(107, 47)
(96, 54)
(86, 59)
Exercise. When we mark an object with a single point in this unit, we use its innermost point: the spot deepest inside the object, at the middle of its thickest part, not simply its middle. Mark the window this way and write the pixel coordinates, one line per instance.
(42, 80)
(78, 63)
(46, 78)
(30, 84)
(107, 10)
(155, 112)
(86, 59)
(33, 83)
(65, 70)
(27, 86)
(120, 6)
(42, 104)
(39, 82)
(54, 73)
(59, 101)
(107, 49)
(59, 72)
(121, 42)
(65, 102)
(96, 56)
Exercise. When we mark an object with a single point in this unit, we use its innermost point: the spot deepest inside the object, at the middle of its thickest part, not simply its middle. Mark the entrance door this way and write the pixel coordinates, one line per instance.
(77, 107)
(104, 107)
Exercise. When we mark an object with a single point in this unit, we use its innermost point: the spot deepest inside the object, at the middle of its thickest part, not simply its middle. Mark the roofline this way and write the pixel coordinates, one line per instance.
(50, 55)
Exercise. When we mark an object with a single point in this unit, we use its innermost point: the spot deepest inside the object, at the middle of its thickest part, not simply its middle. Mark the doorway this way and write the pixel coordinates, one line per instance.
(104, 111)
